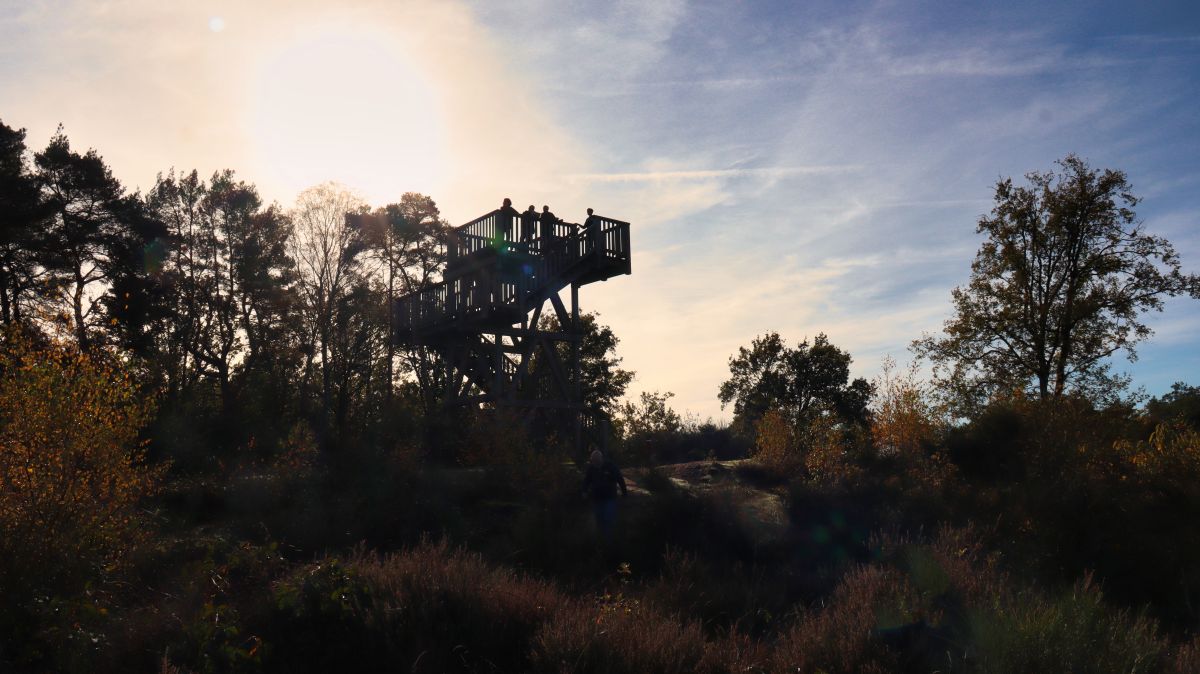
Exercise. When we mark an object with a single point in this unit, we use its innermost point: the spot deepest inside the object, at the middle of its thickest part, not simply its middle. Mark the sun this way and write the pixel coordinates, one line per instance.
(346, 104)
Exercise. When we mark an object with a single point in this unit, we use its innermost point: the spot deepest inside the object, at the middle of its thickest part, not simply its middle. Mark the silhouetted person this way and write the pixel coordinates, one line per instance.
(548, 231)
(504, 220)
(600, 483)
(591, 232)
(529, 221)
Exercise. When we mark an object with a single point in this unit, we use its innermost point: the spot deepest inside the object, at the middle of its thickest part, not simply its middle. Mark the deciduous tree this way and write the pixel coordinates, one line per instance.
(1060, 285)
(71, 470)
(602, 381)
(800, 382)
(327, 242)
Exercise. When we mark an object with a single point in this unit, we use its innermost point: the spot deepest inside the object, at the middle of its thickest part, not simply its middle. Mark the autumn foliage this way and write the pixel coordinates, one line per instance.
(71, 470)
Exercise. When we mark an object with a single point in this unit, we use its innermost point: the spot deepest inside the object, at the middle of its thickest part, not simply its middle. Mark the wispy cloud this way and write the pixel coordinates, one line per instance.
(708, 174)
(1151, 39)
(790, 167)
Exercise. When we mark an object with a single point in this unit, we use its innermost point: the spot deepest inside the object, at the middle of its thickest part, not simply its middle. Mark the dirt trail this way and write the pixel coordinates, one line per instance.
(761, 512)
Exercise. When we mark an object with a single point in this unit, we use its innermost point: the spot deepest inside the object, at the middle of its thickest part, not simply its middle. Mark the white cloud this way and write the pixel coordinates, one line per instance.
(826, 179)
(705, 174)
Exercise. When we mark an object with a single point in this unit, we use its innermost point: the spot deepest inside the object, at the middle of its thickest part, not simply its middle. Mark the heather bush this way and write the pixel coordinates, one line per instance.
(746, 599)
(1075, 631)
(1185, 658)
(617, 634)
(838, 637)
(972, 615)
(427, 609)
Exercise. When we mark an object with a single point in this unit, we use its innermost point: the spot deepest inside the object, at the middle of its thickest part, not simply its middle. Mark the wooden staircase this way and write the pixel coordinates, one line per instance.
(483, 318)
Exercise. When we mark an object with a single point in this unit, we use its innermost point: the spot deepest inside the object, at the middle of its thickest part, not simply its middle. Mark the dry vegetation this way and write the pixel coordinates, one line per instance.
(377, 560)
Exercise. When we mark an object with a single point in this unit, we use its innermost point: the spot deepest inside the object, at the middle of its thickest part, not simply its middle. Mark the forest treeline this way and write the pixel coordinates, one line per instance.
(213, 458)
(241, 318)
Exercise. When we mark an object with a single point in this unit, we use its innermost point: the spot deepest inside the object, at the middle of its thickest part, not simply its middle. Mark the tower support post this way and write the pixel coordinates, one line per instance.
(577, 381)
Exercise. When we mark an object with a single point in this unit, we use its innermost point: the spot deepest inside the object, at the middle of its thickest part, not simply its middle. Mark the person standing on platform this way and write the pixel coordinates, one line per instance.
(591, 232)
(548, 234)
(529, 220)
(504, 220)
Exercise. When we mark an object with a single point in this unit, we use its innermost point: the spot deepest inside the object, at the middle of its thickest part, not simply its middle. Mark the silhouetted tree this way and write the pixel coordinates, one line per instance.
(137, 302)
(1057, 288)
(22, 211)
(88, 239)
(327, 243)
(232, 281)
(799, 382)
(225, 355)
(602, 381)
(649, 415)
(409, 237)
(1181, 403)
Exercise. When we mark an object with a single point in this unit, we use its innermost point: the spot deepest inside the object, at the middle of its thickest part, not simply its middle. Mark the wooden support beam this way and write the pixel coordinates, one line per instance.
(577, 393)
(564, 319)
(483, 318)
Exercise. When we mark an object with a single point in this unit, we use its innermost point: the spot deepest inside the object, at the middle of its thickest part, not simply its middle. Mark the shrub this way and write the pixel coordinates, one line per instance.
(620, 634)
(427, 609)
(1169, 462)
(775, 444)
(494, 437)
(1073, 632)
(987, 449)
(827, 444)
(656, 481)
(838, 637)
(71, 469)
(646, 424)
(707, 523)
(904, 419)
(1186, 657)
(746, 598)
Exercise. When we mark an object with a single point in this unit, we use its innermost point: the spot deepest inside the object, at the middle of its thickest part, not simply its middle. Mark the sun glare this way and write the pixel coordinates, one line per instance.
(347, 105)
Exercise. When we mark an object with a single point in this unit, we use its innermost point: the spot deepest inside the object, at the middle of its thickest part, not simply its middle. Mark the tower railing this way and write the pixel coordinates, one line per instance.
(526, 269)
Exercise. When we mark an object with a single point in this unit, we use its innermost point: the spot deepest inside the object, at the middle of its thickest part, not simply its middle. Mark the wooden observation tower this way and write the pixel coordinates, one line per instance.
(484, 318)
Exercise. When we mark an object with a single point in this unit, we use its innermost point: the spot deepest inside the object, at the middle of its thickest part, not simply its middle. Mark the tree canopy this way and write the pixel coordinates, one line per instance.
(602, 381)
(799, 382)
(1059, 286)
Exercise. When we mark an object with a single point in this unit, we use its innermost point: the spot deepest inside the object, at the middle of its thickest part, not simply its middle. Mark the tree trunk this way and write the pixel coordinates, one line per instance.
(4, 311)
(326, 384)
(77, 301)
(391, 347)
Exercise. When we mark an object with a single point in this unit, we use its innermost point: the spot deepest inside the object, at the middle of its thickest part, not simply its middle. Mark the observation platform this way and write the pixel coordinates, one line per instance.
(496, 273)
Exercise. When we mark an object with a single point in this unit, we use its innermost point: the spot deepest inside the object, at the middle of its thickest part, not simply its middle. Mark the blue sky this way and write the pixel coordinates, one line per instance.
(799, 167)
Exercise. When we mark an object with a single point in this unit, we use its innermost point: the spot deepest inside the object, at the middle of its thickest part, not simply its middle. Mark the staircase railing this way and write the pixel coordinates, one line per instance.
(548, 257)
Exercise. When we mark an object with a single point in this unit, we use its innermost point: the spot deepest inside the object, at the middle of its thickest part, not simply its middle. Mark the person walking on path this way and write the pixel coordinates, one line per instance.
(600, 483)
